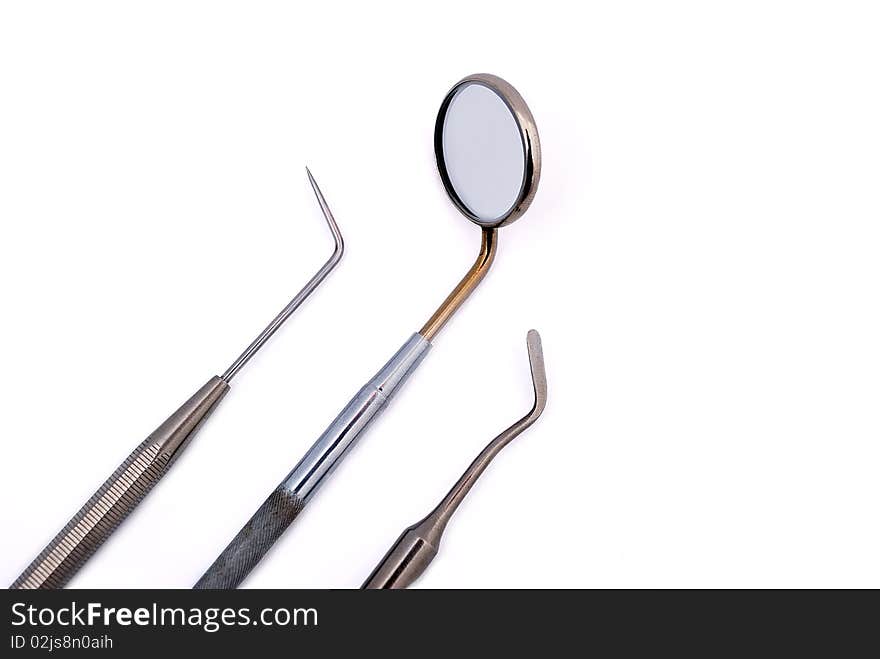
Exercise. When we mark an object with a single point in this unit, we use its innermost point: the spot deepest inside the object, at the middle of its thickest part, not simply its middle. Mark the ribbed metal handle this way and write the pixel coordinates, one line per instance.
(120, 494)
(253, 541)
(95, 521)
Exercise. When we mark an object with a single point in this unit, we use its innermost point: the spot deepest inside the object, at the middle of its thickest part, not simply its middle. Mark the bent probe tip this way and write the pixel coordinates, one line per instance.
(339, 244)
(308, 289)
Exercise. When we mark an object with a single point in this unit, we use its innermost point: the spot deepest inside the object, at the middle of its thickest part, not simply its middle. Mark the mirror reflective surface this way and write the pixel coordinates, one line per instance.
(487, 150)
(483, 152)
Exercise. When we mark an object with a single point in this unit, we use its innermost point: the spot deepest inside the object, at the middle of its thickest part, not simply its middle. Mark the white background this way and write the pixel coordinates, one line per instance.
(701, 260)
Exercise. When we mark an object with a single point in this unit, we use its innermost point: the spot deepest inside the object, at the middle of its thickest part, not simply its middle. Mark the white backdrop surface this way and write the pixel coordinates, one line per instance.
(701, 260)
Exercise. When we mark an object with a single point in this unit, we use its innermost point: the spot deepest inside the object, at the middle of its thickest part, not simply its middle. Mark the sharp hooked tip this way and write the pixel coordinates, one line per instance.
(331, 222)
(317, 190)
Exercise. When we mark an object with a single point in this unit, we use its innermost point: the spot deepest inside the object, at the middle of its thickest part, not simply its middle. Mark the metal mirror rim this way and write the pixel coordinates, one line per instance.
(530, 142)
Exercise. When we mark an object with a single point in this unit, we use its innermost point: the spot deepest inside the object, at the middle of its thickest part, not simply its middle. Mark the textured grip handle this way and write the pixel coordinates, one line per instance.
(96, 520)
(289, 498)
(121, 493)
(253, 541)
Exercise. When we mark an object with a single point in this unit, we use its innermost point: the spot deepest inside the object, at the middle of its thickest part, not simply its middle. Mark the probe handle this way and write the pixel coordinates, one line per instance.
(286, 502)
(120, 494)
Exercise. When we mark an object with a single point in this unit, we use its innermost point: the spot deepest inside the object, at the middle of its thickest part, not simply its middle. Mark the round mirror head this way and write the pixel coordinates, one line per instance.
(487, 150)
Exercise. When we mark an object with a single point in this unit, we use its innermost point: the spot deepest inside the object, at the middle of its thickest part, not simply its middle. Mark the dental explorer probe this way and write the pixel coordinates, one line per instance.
(489, 160)
(139, 473)
(417, 546)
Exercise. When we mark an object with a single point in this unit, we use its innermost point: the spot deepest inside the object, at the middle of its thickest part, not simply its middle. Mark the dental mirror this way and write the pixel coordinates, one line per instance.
(490, 160)
(487, 150)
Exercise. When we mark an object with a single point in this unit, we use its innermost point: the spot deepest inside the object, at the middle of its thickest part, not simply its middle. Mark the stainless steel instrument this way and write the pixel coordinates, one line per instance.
(120, 494)
(489, 159)
(417, 546)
